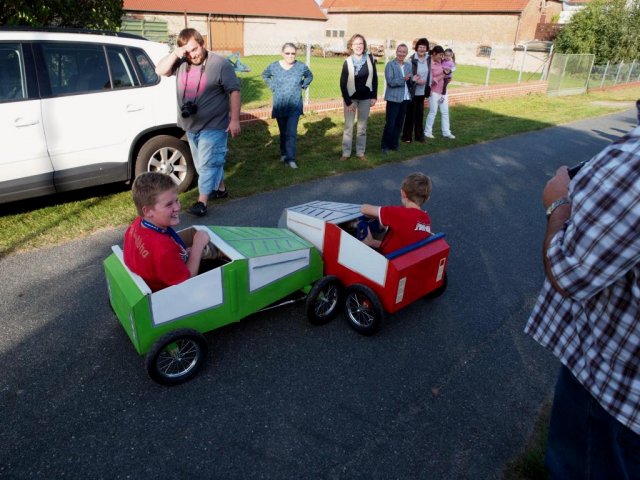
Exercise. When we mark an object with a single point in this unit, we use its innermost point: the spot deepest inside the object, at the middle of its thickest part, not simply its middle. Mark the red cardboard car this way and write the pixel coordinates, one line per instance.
(358, 278)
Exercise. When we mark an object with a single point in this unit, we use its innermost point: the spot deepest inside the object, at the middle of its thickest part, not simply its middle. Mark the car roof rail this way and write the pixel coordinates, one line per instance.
(110, 33)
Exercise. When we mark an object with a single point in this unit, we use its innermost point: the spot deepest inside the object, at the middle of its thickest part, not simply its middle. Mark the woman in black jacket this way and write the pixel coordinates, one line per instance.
(421, 68)
(359, 86)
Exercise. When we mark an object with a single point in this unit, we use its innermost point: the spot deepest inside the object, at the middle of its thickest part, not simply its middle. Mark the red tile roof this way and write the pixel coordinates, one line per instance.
(471, 6)
(305, 9)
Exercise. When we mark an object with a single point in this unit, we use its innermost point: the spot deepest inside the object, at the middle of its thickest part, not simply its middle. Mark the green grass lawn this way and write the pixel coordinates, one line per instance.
(326, 78)
(254, 166)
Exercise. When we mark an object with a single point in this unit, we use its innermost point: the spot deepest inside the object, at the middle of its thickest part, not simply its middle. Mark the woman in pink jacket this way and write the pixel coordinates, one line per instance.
(437, 85)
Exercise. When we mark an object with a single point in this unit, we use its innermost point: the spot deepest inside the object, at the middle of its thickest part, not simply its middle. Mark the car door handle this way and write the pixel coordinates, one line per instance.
(25, 122)
(134, 108)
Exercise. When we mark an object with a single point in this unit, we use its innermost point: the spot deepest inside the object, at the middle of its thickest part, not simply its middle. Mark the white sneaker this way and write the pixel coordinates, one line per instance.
(428, 135)
(450, 135)
(292, 164)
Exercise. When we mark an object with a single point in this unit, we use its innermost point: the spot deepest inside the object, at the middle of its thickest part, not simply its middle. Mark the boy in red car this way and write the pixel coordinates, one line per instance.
(406, 224)
(152, 248)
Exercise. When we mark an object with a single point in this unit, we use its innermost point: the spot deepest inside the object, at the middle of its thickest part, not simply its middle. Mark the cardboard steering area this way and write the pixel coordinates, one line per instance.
(315, 253)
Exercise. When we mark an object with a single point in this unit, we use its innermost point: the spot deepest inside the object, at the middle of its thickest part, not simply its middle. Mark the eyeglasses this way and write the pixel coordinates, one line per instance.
(289, 53)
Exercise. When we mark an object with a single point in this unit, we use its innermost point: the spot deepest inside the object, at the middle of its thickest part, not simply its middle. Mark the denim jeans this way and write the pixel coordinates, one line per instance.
(434, 104)
(586, 442)
(209, 151)
(288, 136)
(362, 109)
(394, 119)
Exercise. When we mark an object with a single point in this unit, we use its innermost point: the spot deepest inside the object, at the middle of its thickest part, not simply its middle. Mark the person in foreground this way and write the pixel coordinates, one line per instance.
(287, 78)
(588, 314)
(208, 93)
(359, 87)
(152, 249)
(406, 224)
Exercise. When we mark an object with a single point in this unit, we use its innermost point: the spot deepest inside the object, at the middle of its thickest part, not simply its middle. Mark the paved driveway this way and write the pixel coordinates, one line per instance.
(449, 388)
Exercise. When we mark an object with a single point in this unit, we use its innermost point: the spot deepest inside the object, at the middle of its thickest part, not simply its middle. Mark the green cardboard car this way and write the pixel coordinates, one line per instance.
(253, 268)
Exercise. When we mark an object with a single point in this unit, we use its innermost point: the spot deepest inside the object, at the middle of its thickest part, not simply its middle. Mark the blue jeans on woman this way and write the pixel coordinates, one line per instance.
(288, 137)
(585, 441)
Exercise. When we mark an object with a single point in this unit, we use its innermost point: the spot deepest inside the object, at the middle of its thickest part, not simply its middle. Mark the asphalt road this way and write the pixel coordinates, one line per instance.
(449, 389)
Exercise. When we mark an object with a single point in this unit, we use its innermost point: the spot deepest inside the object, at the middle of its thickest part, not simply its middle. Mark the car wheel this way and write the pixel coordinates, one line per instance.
(176, 357)
(168, 155)
(363, 309)
(323, 302)
(440, 290)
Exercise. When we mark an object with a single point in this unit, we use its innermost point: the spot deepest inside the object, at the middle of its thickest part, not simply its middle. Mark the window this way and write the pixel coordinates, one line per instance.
(76, 68)
(484, 51)
(12, 78)
(145, 67)
(122, 72)
(334, 33)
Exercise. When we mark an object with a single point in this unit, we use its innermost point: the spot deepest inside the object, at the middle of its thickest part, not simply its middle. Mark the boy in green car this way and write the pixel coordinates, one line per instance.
(152, 248)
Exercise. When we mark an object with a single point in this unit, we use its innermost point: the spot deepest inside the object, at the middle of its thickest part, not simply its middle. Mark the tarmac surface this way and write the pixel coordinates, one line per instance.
(448, 389)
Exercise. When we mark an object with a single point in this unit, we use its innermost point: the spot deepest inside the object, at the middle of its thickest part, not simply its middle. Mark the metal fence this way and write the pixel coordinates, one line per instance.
(573, 74)
(569, 73)
(614, 73)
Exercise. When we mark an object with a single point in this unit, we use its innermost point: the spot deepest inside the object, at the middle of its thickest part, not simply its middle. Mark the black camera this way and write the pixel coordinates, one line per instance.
(188, 109)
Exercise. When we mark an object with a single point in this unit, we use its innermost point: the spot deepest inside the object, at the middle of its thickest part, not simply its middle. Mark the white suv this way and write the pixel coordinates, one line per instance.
(83, 109)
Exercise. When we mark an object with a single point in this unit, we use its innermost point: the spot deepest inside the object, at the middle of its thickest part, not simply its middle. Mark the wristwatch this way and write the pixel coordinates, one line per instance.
(556, 204)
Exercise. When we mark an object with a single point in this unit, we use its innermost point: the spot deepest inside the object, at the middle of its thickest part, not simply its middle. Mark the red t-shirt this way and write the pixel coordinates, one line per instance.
(155, 256)
(406, 226)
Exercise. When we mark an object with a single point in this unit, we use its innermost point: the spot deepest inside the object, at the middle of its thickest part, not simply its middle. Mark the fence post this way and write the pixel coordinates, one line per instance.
(486, 80)
(306, 93)
(593, 63)
(604, 75)
(618, 74)
(545, 71)
(524, 56)
(630, 70)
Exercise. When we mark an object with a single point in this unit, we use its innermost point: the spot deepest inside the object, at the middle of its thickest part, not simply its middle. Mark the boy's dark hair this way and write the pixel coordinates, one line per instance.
(187, 34)
(148, 186)
(417, 187)
(437, 49)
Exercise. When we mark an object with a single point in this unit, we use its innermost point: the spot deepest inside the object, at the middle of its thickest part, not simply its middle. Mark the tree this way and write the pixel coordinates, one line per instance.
(91, 14)
(608, 28)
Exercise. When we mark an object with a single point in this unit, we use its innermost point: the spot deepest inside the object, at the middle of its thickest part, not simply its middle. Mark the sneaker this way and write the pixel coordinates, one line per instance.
(429, 135)
(220, 194)
(449, 135)
(283, 158)
(198, 209)
(292, 164)
(344, 158)
(362, 157)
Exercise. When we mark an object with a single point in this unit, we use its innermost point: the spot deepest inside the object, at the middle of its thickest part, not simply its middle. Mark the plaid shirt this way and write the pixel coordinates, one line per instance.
(595, 331)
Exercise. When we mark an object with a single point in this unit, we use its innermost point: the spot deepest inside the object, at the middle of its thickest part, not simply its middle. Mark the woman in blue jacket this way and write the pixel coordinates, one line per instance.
(287, 78)
(397, 74)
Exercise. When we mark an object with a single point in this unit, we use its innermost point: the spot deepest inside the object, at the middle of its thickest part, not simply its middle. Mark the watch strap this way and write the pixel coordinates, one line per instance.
(556, 204)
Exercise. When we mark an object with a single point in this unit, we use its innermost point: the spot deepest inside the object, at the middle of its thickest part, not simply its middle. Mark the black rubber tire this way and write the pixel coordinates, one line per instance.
(176, 357)
(324, 300)
(440, 290)
(169, 155)
(363, 310)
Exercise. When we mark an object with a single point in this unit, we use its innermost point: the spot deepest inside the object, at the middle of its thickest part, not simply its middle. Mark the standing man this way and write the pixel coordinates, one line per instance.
(208, 93)
(588, 314)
